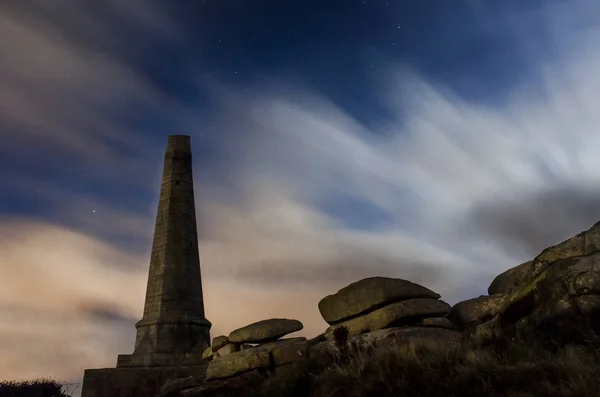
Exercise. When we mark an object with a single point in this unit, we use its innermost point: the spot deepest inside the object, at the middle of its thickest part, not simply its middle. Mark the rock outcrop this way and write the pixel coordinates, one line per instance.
(233, 355)
(369, 294)
(259, 332)
(265, 357)
(555, 296)
(377, 303)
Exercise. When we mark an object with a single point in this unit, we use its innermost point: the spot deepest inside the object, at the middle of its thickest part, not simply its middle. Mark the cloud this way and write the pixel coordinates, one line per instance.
(64, 95)
(54, 277)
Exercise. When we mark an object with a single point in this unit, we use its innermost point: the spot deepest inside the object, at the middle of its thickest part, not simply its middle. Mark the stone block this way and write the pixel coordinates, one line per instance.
(134, 382)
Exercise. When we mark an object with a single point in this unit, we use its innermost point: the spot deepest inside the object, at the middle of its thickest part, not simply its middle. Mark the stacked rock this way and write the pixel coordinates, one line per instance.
(257, 346)
(379, 303)
(221, 347)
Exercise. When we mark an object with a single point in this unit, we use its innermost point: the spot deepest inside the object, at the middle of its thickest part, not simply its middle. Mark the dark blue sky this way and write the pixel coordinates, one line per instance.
(341, 50)
(337, 47)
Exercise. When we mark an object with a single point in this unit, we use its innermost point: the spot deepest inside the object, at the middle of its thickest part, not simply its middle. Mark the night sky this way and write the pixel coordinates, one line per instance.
(437, 141)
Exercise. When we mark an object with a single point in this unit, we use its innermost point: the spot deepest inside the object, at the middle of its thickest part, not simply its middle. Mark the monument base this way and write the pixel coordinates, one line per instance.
(160, 360)
(134, 381)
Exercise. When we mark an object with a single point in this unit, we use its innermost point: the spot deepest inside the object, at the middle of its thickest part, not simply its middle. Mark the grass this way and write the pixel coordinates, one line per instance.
(507, 368)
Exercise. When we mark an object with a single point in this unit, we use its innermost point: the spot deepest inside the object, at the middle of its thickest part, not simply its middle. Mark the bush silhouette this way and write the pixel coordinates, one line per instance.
(37, 388)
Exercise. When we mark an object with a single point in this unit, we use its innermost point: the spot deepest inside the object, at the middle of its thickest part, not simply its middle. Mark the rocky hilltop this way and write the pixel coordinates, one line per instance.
(552, 300)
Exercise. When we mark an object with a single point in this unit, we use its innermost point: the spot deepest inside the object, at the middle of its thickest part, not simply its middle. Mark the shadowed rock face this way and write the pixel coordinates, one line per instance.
(568, 288)
(476, 310)
(555, 296)
(225, 350)
(264, 356)
(369, 294)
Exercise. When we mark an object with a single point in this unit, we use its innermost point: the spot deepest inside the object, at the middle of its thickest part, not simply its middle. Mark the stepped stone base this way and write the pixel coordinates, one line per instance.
(160, 360)
(134, 382)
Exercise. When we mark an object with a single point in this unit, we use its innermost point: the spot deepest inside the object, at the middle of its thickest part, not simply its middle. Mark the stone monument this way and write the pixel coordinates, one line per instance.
(173, 331)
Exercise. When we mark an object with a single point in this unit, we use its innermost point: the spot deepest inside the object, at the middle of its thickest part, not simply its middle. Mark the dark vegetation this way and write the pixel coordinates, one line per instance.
(37, 388)
(509, 367)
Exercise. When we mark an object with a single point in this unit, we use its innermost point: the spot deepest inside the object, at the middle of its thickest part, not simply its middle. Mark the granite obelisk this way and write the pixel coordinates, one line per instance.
(173, 331)
(174, 320)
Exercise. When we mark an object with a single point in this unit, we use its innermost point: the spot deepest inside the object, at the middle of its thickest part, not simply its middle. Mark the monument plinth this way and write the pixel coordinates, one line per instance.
(173, 331)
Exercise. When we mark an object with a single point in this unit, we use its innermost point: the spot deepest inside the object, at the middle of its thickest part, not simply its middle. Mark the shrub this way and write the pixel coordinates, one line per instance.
(37, 388)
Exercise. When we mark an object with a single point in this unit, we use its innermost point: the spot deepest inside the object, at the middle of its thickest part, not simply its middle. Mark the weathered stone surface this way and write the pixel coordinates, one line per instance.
(174, 386)
(174, 320)
(254, 358)
(133, 382)
(588, 304)
(317, 339)
(240, 385)
(368, 294)
(240, 362)
(438, 322)
(584, 243)
(398, 313)
(512, 279)
(567, 288)
(226, 350)
(562, 280)
(563, 255)
(560, 299)
(265, 330)
(219, 341)
(390, 336)
(292, 369)
(289, 352)
(325, 353)
(583, 276)
(160, 360)
(477, 310)
(279, 342)
(285, 378)
(485, 332)
(208, 353)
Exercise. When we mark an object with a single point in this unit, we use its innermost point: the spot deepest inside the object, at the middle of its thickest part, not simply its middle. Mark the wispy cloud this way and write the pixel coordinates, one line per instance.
(60, 93)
